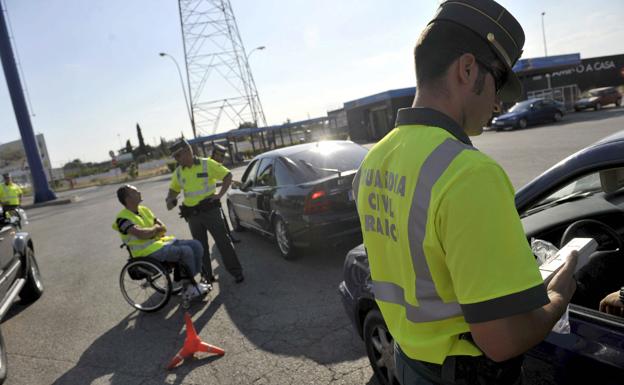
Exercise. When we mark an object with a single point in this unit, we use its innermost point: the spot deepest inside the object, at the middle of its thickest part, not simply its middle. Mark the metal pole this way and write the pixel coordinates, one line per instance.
(42, 192)
(544, 35)
(186, 101)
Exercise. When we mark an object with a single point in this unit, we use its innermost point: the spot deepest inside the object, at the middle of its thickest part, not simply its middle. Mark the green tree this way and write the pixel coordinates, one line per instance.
(128, 147)
(141, 141)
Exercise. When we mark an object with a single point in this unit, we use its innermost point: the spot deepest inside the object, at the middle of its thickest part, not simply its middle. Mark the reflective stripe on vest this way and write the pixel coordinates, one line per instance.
(206, 189)
(430, 306)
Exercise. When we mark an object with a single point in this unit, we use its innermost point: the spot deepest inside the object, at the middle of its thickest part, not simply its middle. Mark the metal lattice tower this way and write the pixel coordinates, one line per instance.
(222, 90)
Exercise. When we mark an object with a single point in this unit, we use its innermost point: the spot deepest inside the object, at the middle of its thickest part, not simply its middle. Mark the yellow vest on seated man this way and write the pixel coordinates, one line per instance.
(144, 218)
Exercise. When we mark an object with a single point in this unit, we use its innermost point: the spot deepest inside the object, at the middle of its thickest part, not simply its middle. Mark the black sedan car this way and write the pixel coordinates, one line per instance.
(581, 196)
(19, 272)
(527, 112)
(299, 195)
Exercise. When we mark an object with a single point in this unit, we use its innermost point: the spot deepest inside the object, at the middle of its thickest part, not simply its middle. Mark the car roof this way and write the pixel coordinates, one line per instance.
(290, 150)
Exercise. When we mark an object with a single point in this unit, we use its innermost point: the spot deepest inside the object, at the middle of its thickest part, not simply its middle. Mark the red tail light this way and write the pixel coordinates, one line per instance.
(316, 202)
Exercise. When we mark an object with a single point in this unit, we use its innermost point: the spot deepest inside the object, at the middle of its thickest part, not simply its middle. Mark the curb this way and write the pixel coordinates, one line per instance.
(55, 202)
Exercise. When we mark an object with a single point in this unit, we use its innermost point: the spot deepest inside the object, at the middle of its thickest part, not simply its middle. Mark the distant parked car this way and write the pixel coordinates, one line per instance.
(299, 195)
(19, 272)
(581, 196)
(598, 97)
(527, 112)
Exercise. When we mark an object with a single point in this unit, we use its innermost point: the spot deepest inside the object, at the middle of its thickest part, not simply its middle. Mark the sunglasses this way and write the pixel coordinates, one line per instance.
(498, 74)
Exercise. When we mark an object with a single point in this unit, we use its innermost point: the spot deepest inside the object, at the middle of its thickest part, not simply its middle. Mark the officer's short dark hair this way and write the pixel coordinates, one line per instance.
(122, 193)
(440, 44)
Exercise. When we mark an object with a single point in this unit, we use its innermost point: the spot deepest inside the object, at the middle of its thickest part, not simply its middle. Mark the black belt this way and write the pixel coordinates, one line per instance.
(203, 206)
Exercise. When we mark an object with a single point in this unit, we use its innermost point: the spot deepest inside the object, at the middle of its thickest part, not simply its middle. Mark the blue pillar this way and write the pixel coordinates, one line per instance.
(41, 189)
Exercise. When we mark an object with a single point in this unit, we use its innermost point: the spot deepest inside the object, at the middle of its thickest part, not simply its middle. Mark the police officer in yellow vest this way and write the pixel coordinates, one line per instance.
(10, 194)
(145, 236)
(452, 271)
(196, 178)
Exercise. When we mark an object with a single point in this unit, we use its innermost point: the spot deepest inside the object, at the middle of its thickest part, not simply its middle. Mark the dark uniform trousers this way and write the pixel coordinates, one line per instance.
(458, 370)
(212, 220)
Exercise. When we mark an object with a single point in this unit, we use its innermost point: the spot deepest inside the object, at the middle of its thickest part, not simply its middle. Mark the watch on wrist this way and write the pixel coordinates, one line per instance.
(622, 294)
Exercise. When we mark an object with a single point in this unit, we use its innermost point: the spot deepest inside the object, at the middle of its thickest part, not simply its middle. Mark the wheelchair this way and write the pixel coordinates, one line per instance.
(148, 284)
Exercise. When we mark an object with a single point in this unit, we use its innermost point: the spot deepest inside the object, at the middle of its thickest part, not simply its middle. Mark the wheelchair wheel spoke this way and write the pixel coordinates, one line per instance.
(145, 284)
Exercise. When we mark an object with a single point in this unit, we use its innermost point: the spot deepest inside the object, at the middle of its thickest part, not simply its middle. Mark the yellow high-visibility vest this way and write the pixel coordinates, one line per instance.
(199, 181)
(141, 247)
(10, 194)
(444, 240)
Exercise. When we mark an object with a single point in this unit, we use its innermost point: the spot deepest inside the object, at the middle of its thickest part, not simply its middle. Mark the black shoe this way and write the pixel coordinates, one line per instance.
(239, 278)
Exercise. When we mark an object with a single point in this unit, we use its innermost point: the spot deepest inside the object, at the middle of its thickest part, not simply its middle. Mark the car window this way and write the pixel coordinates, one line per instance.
(326, 159)
(265, 173)
(585, 185)
(250, 173)
(284, 170)
(521, 106)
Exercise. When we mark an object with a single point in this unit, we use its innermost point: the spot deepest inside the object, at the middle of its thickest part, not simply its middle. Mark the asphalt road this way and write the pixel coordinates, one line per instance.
(284, 325)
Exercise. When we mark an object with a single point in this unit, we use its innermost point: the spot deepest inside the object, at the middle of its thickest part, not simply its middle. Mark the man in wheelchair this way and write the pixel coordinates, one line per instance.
(144, 235)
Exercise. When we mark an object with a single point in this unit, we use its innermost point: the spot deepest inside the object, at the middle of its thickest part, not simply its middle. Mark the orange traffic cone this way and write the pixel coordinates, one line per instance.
(192, 345)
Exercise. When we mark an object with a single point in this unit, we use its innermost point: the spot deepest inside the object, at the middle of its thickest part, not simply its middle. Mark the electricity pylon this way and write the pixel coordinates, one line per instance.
(222, 90)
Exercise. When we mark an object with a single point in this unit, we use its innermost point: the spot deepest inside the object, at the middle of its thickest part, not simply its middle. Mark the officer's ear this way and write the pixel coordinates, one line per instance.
(467, 69)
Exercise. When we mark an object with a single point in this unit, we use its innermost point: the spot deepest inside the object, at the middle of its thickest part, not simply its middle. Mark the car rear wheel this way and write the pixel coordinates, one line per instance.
(597, 106)
(234, 218)
(283, 239)
(33, 289)
(380, 348)
(558, 116)
(522, 123)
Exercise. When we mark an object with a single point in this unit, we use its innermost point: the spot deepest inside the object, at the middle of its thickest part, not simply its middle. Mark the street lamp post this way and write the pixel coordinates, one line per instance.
(259, 48)
(188, 106)
(544, 34)
(546, 53)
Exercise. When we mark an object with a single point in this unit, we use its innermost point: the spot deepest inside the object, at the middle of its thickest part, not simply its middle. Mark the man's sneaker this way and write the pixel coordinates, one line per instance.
(195, 291)
(205, 286)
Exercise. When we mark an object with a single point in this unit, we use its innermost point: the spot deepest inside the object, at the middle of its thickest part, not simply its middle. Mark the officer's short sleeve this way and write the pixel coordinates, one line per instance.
(175, 183)
(124, 225)
(217, 170)
(493, 270)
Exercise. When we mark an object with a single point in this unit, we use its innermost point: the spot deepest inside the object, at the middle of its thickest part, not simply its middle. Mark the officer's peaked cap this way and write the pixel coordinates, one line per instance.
(178, 146)
(497, 27)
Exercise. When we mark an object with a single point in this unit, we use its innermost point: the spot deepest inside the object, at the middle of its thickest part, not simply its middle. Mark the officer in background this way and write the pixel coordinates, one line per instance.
(201, 208)
(452, 271)
(218, 155)
(10, 194)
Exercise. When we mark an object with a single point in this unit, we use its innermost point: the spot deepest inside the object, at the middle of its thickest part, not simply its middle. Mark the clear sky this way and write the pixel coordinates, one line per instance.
(93, 71)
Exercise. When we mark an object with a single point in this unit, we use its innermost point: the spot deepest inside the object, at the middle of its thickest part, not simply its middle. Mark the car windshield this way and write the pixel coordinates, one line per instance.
(521, 106)
(327, 158)
(580, 188)
(589, 94)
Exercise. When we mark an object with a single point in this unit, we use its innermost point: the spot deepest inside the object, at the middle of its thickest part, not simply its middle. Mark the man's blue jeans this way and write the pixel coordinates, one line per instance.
(188, 252)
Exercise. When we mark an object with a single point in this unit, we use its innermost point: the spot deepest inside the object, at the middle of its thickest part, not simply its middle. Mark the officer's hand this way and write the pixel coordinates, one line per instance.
(611, 304)
(562, 285)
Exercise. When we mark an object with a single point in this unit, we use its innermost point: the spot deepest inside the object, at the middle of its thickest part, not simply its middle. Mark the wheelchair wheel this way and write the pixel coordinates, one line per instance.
(145, 284)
